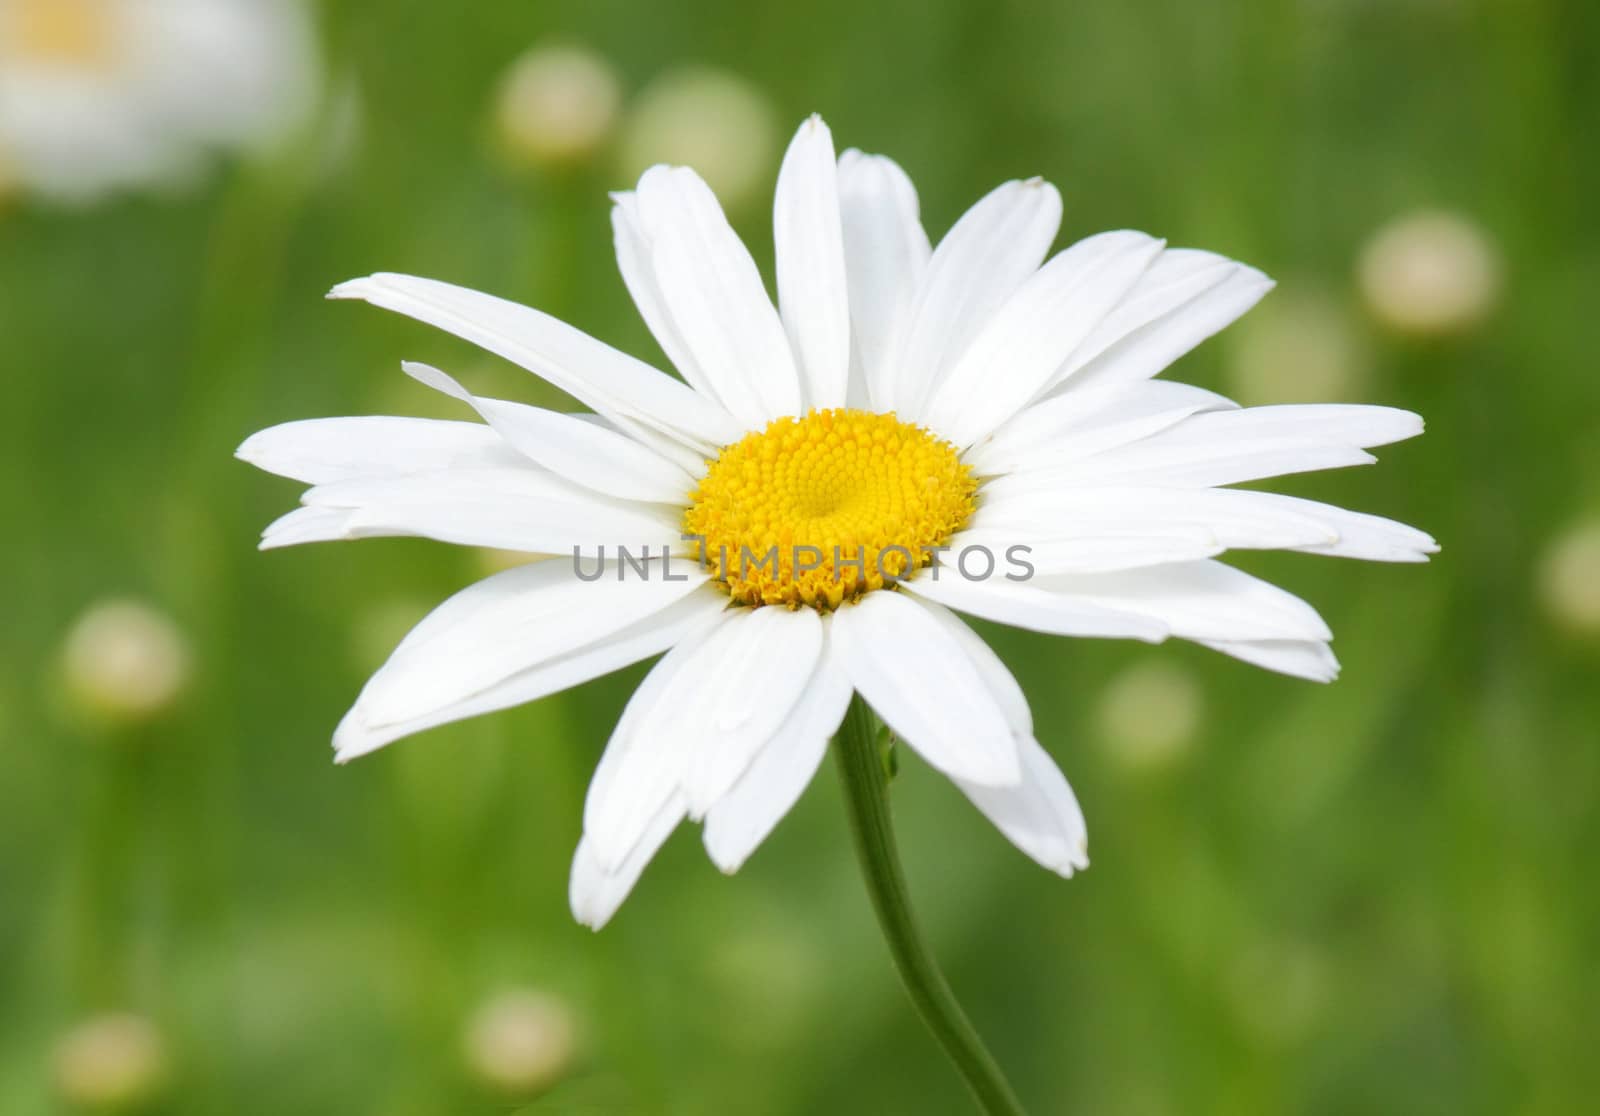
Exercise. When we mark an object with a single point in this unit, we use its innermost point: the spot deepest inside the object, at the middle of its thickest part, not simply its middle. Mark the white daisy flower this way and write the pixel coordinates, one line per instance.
(98, 95)
(902, 399)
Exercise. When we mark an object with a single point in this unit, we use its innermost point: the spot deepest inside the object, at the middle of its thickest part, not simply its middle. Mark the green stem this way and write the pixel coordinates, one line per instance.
(866, 793)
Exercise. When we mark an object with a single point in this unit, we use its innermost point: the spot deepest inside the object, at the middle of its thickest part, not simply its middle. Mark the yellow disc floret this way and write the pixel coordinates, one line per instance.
(821, 509)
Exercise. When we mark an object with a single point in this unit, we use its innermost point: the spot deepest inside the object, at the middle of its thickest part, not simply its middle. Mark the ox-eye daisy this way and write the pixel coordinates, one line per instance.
(980, 396)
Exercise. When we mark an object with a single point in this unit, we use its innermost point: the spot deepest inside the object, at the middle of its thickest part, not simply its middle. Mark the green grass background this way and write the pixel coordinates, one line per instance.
(1373, 897)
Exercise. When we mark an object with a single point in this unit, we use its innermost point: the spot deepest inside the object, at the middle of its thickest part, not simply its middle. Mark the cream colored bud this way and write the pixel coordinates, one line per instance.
(1149, 714)
(111, 1062)
(126, 661)
(713, 121)
(521, 1041)
(1430, 274)
(557, 104)
(1298, 345)
(1569, 579)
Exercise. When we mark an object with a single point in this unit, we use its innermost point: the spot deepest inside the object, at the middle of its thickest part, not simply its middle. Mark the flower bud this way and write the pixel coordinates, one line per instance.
(557, 105)
(110, 1063)
(125, 661)
(1149, 715)
(1430, 274)
(710, 120)
(1569, 579)
(520, 1042)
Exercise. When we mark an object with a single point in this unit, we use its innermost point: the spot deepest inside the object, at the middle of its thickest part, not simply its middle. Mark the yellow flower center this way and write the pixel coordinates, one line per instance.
(69, 32)
(821, 509)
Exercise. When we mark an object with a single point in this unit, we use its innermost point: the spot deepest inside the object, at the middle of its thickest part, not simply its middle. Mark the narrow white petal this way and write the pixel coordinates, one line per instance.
(712, 289)
(596, 892)
(809, 245)
(356, 736)
(996, 676)
(519, 507)
(587, 453)
(612, 383)
(1184, 298)
(923, 684)
(1088, 547)
(317, 451)
(741, 819)
(703, 721)
(506, 624)
(1024, 343)
(1348, 424)
(1025, 605)
(1196, 600)
(639, 276)
(1230, 447)
(989, 253)
(886, 253)
(1308, 659)
(746, 688)
(639, 770)
(1040, 814)
(1080, 423)
(1235, 518)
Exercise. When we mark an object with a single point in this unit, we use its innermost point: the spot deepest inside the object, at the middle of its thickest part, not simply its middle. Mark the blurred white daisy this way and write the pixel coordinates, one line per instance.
(900, 398)
(99, 95)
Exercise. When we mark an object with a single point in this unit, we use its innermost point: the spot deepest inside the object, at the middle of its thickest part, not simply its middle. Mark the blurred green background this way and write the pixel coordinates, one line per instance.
(1376, 896)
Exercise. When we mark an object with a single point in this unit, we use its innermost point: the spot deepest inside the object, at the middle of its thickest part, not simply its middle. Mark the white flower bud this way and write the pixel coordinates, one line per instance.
(1297, 345)
(710, 120)
(557, 105)
(112, 1062)
(1569, 579)
(125, 661)
(1430, 274)
(520, 1041)
(1149, 714)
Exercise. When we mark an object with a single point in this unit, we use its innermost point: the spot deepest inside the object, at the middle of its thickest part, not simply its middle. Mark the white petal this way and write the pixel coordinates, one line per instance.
(1025, 605)
(1087, 547)
(638, 274)
(1346, 424)
(989, 253)
(520, 507)
(1015, 354)
(742, 699)
(1184, 298)
(594, 892)
(886, 252)
(356, 736)
(1040, 814)
(586, 453)
(1308, 659)
(1196, 600)
(712, 289)
(921, 681)
(809, 246)
(317, 451)
(1229, 447)
(612, 383)
(706, 719)
(639, 770)
(996, 677)
(1228, 517)
(506, 624)
(741, 819)
(1236, 519)
(1080, 423)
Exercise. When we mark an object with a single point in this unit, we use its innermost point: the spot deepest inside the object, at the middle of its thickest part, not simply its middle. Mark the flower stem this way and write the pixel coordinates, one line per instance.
(866, 793)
